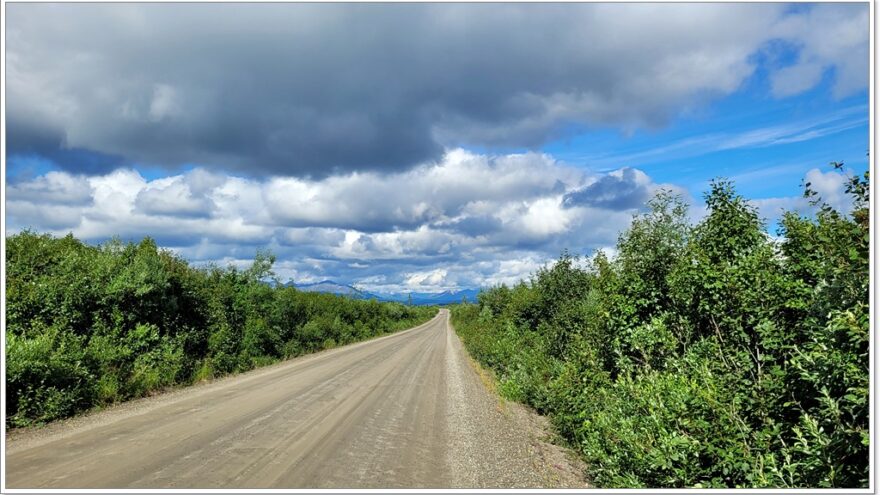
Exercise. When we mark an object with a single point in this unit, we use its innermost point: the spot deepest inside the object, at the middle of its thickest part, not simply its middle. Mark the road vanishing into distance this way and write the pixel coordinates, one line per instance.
(406, 410)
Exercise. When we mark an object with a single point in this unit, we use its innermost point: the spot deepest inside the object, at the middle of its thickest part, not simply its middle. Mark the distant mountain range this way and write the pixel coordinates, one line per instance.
(428, 298)
(420, 298)
(332, 287)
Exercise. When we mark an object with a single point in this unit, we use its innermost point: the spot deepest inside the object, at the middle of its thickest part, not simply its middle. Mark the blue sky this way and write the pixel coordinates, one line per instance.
(764, 144)
(419, 147)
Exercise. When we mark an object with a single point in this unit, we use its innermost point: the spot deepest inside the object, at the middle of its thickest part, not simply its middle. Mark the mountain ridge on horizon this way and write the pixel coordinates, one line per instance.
(329, 286)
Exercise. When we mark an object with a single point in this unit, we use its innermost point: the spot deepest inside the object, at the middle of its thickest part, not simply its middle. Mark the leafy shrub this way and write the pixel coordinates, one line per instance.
(46, 377)
(93, 325)
(702, 355)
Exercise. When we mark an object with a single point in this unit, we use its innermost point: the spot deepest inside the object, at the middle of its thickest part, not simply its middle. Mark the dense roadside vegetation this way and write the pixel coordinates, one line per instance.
(701, 355)
(92, 325)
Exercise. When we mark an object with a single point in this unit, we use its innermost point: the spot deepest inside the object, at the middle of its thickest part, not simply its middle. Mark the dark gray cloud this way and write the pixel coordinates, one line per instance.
(28, 138)
(474, 225)
(624, 189)
(321, 89)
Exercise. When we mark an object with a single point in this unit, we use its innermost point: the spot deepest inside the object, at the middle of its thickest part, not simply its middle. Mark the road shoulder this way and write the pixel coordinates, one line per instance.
(513, 446)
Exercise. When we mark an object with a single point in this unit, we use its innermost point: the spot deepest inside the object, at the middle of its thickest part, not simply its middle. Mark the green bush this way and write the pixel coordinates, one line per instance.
(46, 377)
(93, 325)
(702, 355)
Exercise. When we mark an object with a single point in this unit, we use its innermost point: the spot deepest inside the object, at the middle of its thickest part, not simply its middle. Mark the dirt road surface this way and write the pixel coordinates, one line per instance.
(407, 410)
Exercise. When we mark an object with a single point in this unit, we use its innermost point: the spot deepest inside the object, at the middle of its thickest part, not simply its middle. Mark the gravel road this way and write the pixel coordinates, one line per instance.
(408, 410)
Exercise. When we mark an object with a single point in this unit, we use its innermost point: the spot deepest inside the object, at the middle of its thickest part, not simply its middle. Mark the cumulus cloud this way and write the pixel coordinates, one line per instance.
(828, 37)
(314, 90)
(54, 188)
(443, 225)
(830, 188)
(173, 196)
(430, 279)
(467, 219)
(459, 186)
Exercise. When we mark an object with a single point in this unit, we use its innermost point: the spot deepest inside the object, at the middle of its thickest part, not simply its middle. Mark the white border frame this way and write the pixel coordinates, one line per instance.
(872, 308)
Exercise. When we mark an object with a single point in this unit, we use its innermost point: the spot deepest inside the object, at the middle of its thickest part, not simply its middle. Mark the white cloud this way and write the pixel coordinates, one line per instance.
(828, 37)
(542, 218)
(796, 79)
(55, 188)
(430, 279)
(432, 192)
(440, 226)
(830, 188)
(172, 196)
(455, 214)
(511, 271)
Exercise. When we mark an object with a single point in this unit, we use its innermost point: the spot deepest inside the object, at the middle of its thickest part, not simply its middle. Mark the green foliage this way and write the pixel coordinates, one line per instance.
(703, 355)
(89, 326)
(46, 376)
